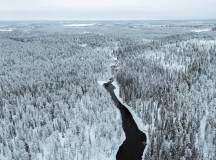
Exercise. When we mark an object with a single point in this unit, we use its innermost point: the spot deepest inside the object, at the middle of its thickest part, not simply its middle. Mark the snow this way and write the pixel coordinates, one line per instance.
(146, 40)
(62, 140)
(83, 45)
(138, 120)
(203, 132)
(2, 157)
(79, 25)
(86, 32)
(203, 125)
(114, 58)
(174, 66)
(202, 30)
(160, 57)
(100, 82)
(122, 138)
(6, 30)
(112, 65)
(158, 115)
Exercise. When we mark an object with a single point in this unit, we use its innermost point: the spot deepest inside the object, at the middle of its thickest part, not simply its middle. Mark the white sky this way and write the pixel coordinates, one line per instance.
(106, 9)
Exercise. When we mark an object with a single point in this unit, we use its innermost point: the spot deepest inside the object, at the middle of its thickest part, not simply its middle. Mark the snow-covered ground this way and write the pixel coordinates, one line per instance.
(203, 124)
(83, 45)
(202, 30)
(85, 32)
(80, 25)
(6, 30)
(2, 157)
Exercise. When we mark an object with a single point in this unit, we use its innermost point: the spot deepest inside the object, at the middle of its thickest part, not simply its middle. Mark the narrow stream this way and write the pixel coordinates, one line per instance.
(135, 142)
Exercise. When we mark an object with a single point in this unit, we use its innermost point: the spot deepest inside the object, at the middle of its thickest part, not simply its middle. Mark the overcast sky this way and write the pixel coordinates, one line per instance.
(106, 9)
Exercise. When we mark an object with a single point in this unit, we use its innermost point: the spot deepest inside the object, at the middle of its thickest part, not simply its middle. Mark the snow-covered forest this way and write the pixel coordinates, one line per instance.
(171, 85)
(52, 107)
(51, 104)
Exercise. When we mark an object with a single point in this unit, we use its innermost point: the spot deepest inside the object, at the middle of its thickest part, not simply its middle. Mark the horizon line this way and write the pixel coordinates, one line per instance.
(201, 19)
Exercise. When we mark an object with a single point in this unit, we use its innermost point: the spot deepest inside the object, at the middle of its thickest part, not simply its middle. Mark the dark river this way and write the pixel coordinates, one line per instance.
(135, 142)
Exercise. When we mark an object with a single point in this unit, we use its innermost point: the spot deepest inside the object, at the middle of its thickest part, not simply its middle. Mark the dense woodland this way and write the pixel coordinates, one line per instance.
(52, 107)
(172, 87)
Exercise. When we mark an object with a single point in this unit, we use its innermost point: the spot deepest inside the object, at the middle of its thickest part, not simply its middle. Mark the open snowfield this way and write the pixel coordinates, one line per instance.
(79, 25)
(6, 30)
(202, 30)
